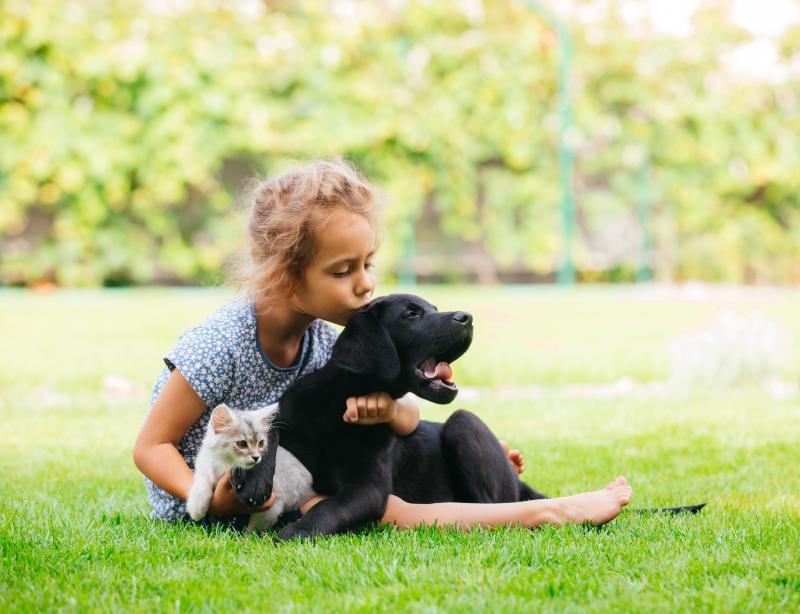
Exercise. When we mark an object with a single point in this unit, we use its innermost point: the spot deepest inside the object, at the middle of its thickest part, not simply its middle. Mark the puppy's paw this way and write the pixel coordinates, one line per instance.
(294, 531)
(252, 487)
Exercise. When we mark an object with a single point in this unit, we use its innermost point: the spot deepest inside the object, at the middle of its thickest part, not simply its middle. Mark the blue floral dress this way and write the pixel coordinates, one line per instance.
(223, 361)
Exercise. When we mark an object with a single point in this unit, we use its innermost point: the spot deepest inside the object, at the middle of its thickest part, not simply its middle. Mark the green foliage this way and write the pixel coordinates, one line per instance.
(126, 129)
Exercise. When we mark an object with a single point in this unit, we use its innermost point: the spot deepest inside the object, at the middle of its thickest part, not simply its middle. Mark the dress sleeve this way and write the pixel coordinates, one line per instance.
(327, 338)
(204, 358)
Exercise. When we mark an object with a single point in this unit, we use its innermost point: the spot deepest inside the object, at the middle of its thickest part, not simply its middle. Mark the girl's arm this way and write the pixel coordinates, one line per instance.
(406, 417)
(156, 454)
(402, 414)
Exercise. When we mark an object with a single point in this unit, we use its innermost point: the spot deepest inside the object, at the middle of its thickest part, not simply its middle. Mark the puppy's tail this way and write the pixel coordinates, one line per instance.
(684, 509)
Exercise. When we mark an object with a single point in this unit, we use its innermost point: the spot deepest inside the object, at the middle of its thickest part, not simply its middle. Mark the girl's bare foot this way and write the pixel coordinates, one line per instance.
(514, 457)
(598, 507)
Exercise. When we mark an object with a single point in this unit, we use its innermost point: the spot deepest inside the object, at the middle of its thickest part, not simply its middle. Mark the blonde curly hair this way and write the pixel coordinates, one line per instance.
(286, 213)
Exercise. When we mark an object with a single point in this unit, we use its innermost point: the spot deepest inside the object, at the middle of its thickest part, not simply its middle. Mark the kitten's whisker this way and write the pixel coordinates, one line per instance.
(279, 425)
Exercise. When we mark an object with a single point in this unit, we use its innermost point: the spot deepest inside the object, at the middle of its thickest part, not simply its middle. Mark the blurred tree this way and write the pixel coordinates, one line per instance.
(126, 130)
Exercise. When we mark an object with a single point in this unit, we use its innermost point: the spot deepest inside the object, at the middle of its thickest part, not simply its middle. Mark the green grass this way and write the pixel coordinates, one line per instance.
(74, 531)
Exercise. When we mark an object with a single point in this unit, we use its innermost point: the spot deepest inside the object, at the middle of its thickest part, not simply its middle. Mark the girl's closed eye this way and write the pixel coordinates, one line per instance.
(368, 266)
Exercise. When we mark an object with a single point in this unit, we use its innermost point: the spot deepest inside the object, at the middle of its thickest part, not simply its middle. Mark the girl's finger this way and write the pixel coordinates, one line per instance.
(372, 406)
(388, 403)
(351, 413)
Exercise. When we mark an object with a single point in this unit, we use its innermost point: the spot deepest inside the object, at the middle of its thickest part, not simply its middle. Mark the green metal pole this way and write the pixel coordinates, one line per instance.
(644, 201)
(566, 159)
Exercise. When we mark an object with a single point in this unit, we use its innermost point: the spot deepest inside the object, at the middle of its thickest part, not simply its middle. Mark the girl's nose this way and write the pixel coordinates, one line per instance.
(365, 284)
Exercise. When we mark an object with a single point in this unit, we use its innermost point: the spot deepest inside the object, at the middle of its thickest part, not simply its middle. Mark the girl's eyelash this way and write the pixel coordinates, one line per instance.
(368, 265)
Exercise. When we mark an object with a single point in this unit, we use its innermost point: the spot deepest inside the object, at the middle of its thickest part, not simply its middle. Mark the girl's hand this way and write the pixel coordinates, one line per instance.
(402, 415)
(375, 408)
(224, 501)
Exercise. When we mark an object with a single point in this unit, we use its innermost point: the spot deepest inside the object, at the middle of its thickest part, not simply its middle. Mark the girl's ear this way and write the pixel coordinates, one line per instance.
(283, 285)
(221, 418)
(283, 290)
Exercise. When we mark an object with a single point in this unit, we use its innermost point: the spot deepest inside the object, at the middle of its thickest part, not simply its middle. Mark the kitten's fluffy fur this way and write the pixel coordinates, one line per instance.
(237, 438)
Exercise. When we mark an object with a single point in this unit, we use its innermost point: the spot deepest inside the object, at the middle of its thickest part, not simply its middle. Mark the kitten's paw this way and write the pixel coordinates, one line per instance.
(263, 521)
(196, 507)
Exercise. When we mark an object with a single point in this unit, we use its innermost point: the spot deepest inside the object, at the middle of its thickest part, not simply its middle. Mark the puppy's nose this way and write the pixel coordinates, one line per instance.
(462, 317)
(256, 459)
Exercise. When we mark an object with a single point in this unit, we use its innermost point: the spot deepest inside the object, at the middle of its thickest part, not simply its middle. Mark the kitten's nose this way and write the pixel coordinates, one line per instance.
(256, 459)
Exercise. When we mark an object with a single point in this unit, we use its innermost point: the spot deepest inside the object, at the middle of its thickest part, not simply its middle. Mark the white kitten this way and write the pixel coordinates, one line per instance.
(237, 438)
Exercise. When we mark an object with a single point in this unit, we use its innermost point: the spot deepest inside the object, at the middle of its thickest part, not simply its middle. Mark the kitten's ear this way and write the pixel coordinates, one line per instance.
(267, 415)
(221, 418)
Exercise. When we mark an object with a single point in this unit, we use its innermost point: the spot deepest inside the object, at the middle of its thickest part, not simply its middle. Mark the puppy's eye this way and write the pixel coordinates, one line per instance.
(411, 314)
(241, 444)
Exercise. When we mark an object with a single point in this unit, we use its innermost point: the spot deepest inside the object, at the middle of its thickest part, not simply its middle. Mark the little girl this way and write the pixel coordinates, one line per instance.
(312, 240)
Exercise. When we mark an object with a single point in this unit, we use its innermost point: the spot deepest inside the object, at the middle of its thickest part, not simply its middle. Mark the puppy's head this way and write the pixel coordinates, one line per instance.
(403, 340)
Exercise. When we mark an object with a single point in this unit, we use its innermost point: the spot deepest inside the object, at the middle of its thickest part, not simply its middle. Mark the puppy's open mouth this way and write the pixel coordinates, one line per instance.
(438, 373)
(435, 371)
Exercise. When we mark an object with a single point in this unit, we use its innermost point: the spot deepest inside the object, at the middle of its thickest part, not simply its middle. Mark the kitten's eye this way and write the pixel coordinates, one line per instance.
(241, 444)
(261, 444)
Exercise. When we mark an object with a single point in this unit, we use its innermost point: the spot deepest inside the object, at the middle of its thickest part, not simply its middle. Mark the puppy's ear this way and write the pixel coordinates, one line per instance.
(364, 347)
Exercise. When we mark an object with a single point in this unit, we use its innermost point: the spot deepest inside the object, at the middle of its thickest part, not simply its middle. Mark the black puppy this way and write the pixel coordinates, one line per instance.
(397, 344)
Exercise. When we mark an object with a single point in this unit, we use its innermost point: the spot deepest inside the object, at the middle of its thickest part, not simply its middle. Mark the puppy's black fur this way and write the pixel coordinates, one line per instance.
(381, 349)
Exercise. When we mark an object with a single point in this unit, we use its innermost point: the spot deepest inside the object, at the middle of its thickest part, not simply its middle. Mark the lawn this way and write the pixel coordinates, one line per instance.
(75, 376)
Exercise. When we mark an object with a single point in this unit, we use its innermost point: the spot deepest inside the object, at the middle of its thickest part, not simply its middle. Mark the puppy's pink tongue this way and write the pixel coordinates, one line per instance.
(443, 371)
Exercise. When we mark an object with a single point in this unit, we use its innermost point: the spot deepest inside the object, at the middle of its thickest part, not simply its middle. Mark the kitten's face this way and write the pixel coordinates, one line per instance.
(240, 437)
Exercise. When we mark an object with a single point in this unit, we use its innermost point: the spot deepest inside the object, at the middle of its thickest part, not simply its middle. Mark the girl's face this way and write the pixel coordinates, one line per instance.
(339, 279)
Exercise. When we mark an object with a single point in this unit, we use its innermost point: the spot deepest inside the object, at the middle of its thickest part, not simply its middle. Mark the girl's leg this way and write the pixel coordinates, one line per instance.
(311, 503)
(596, 507)
(515, 458)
